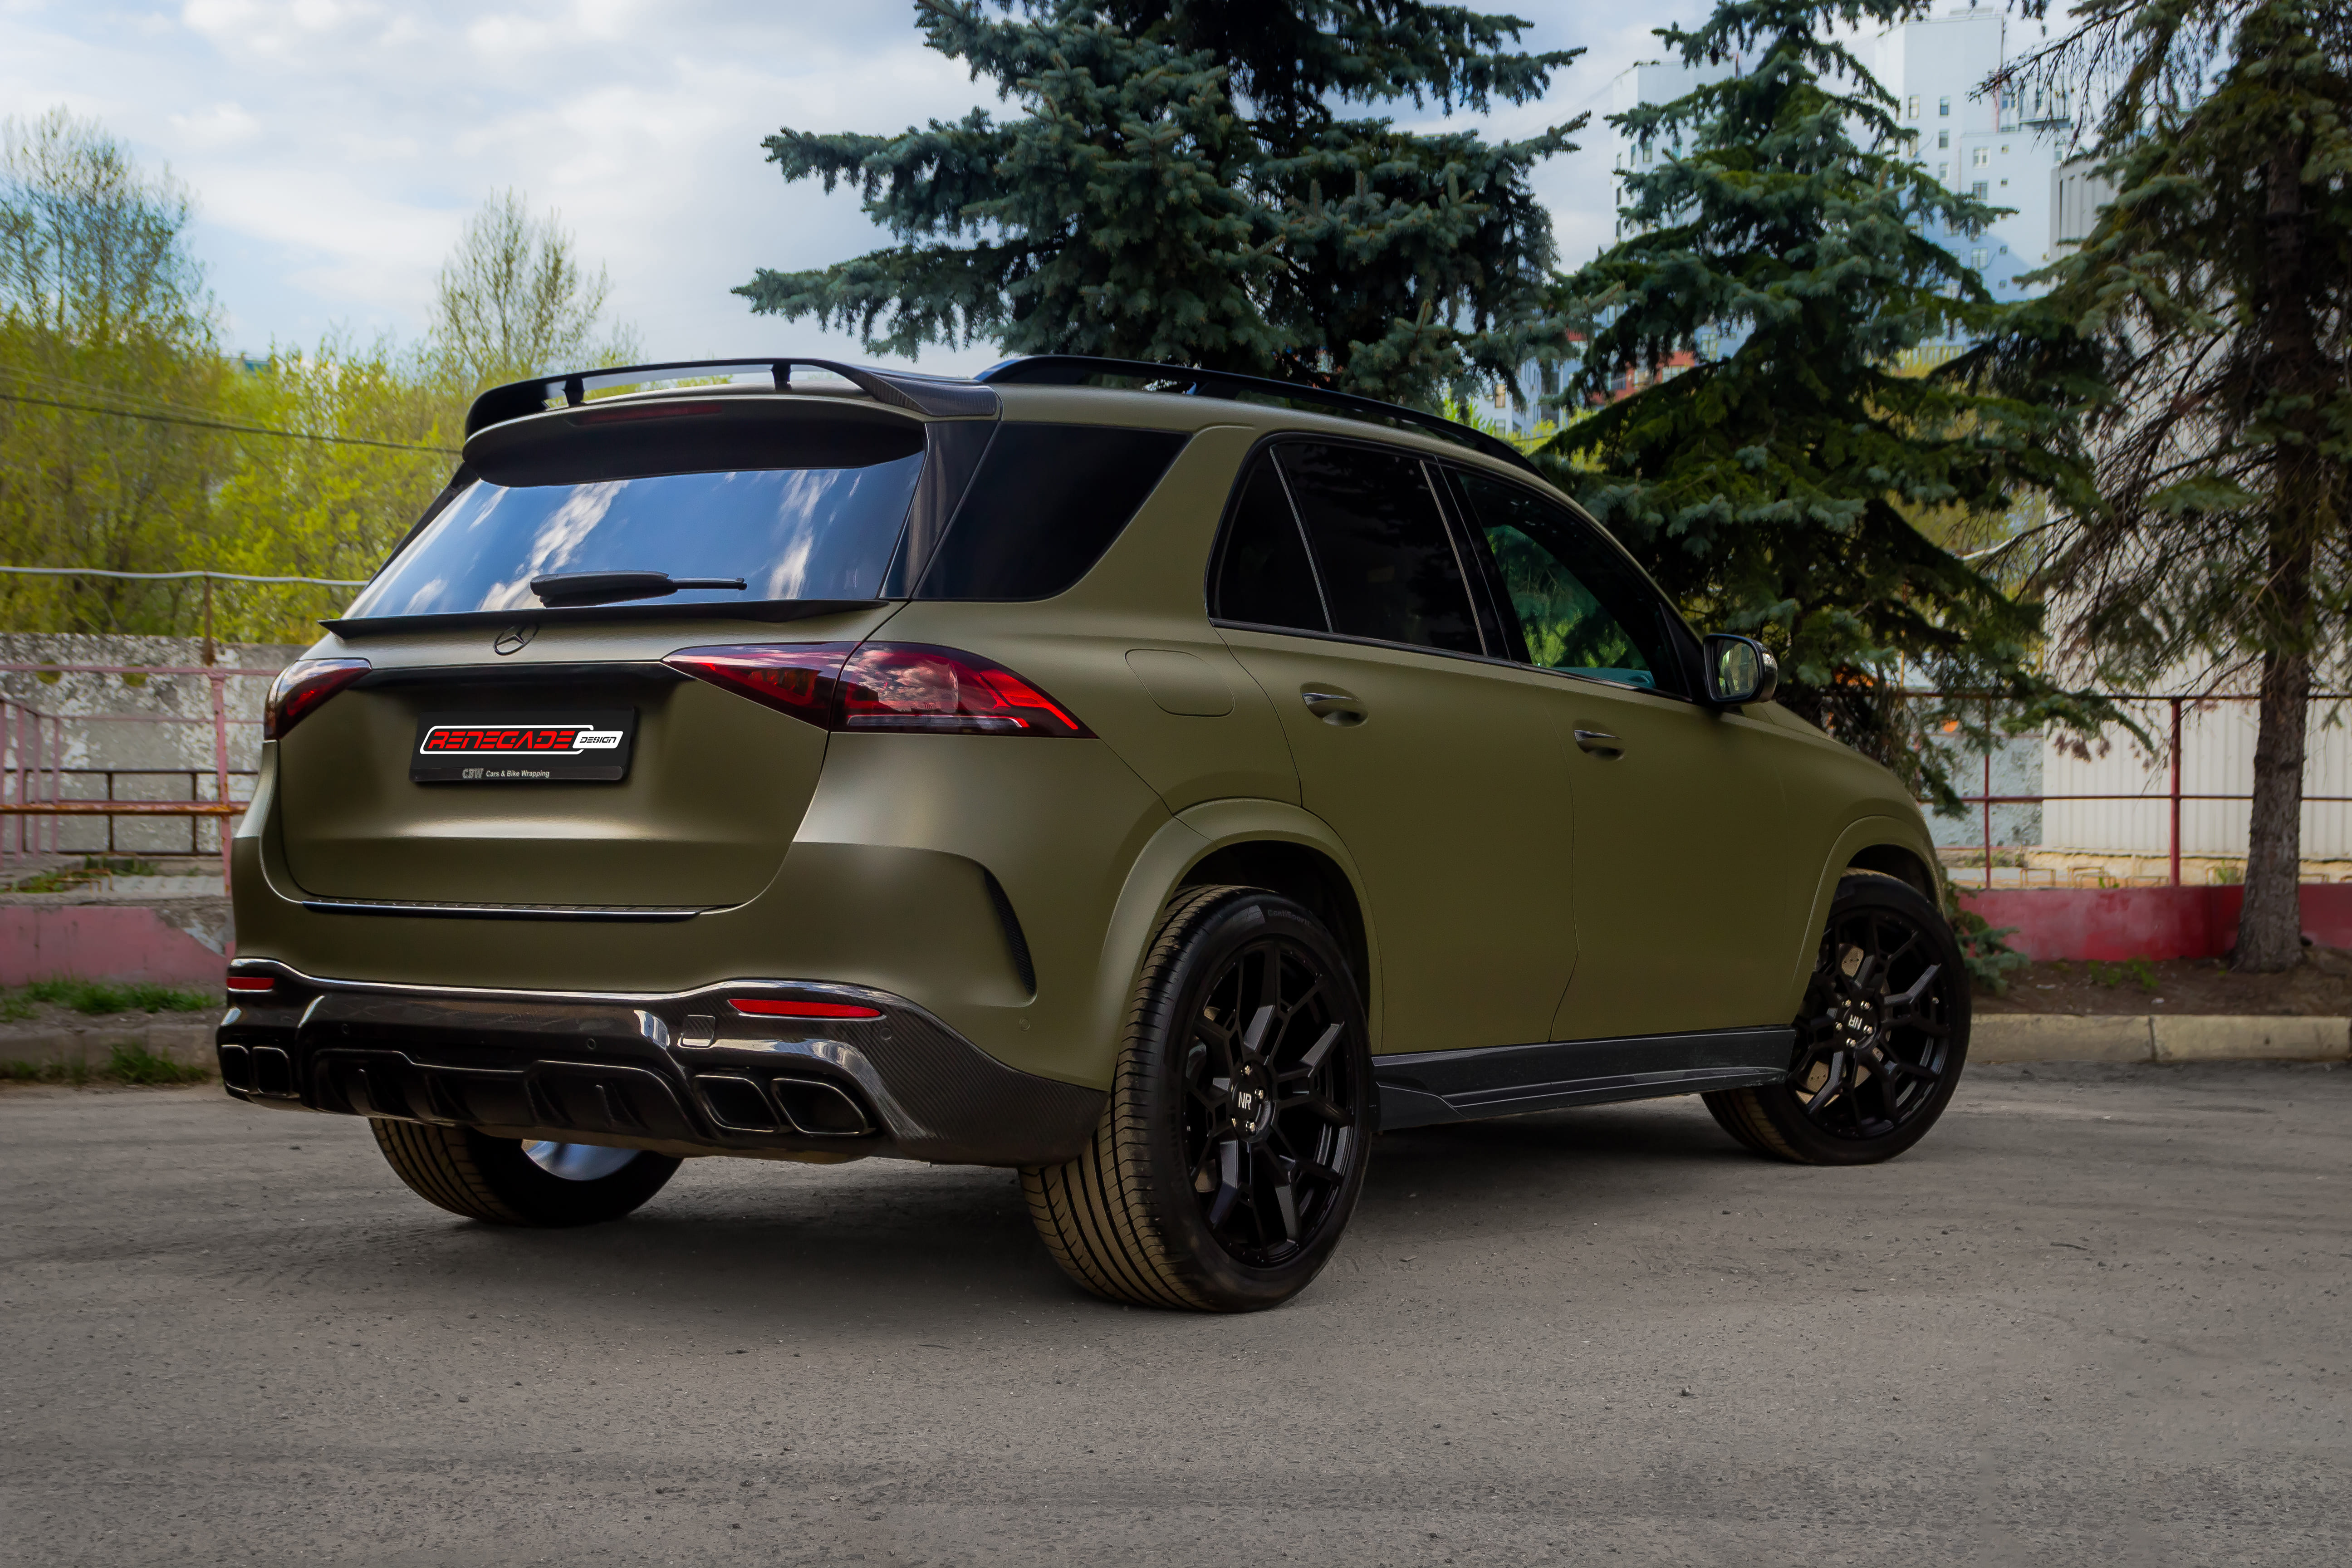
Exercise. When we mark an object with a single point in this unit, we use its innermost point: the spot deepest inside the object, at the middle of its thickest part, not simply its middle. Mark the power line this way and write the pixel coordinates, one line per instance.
(178, 576)
(221, 425)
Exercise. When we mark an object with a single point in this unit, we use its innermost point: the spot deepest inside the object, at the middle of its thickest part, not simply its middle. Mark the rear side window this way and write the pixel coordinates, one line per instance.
(1387, 565)
(1263, 576)
(1047, 501)
(1579, 605)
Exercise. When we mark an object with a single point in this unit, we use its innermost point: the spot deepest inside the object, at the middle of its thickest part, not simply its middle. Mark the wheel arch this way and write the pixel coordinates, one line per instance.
(1257, 843)
(1901, 862)
(1887, 845)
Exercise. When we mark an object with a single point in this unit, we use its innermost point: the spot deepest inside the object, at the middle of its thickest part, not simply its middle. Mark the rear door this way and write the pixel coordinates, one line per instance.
(1344, 592)
(1683, 864)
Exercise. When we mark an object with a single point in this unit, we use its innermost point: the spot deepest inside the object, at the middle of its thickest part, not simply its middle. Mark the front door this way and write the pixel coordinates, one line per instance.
(1343, 590)
(1683, 881)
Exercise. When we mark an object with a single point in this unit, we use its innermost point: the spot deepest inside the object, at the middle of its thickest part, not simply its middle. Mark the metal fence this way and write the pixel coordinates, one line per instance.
(34, 765)
(2170, 763)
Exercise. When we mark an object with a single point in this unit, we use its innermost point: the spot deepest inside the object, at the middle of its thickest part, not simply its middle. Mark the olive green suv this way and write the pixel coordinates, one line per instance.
(1156, 780)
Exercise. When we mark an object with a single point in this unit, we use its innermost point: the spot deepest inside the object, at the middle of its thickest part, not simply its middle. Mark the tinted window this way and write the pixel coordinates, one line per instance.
(1047, 501)
(1580, 605)
(1265, 576)
(1387, 568)
(790, 533)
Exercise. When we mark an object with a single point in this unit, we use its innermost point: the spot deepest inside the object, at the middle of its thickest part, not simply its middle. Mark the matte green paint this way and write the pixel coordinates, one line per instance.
(1513, 886)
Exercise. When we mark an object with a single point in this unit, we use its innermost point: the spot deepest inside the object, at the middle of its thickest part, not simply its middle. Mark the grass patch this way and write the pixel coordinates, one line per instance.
(65, 878)
(95, 996)
(124, 1064)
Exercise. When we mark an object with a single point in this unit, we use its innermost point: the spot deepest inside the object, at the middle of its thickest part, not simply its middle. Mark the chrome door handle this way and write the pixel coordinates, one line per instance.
(1600, 742)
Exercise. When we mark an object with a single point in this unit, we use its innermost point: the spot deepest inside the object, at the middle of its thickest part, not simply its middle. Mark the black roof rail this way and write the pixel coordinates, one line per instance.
(934, 395)
(1069, 370)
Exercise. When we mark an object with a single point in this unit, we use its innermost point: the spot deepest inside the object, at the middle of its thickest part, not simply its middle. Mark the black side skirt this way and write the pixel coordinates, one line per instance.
(1508, 1080)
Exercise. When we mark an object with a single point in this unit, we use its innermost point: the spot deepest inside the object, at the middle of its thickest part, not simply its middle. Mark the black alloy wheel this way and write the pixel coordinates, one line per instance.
(1267, 1131)
(1240, 1122)
(1880, 1037)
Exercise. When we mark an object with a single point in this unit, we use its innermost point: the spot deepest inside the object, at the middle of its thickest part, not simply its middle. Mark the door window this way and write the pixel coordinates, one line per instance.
(1386, 564)
(1580, 607)
(1264, 577)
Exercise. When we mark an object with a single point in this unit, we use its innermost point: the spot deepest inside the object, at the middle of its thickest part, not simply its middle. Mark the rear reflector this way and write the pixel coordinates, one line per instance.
(250, 982)
(768, 1007)
(905, 687)
(301, 688)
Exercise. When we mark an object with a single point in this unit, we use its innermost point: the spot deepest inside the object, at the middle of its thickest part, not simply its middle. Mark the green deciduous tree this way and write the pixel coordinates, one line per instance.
(101, 305)
(1181, 187)
(1788, 235)
(515, 300)
(2220, 284)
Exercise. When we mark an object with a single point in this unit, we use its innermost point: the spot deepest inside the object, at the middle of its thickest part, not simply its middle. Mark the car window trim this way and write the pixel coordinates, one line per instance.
(1606, 685)
(1306, 541)
(1454, 541)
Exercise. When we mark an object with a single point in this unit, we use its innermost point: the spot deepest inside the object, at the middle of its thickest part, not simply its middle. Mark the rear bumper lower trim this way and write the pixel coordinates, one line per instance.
(678, 1071)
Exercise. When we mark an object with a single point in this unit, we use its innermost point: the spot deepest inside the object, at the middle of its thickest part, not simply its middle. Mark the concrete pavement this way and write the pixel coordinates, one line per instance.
(2103, 1314)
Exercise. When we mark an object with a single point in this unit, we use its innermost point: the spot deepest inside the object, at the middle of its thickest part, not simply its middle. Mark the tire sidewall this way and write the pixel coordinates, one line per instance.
(1209, 938)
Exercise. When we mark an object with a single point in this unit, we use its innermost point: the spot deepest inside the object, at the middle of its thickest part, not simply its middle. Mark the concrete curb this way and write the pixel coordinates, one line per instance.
(2153, 1038)
(180, 1040)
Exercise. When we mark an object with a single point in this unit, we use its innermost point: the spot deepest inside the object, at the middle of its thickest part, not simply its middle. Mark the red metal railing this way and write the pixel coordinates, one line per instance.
(33, 803)
(2173, 796)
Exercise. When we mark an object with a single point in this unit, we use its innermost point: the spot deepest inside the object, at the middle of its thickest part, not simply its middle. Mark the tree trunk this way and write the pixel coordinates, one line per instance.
(2269, 926)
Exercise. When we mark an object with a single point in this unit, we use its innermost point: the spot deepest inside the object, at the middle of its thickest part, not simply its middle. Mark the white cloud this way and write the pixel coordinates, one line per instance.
(336, 146)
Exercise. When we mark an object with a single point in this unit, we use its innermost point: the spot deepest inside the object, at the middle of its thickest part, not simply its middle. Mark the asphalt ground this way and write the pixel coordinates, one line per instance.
(2099, 1316)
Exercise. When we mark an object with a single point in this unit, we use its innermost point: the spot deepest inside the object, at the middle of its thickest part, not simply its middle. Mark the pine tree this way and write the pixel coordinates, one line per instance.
(1180, 189)
(1786, 227)
(2219, 282)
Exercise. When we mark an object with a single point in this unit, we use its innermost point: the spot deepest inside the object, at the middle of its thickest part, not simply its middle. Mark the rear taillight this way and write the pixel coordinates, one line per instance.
(301, 687)
(797, 678)
(883, 686)
(907, 686)
(250, 982)
(769, 1007)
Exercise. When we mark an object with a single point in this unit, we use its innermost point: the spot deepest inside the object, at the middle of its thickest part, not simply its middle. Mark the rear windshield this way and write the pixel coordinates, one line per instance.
(790, 533)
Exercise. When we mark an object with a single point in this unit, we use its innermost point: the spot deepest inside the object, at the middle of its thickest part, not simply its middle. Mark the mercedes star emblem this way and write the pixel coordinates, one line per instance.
(514, 639)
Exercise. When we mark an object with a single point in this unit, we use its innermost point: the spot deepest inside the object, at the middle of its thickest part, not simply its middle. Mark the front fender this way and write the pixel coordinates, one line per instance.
(1860, 834)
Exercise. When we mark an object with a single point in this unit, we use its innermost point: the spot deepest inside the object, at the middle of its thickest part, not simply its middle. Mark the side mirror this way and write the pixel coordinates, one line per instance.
(1739, 671)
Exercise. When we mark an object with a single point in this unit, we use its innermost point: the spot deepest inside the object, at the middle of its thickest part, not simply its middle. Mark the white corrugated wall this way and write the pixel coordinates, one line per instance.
(2217, 747)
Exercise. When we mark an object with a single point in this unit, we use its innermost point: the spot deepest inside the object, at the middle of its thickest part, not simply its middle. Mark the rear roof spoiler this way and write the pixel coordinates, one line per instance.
(942, 398)
(937, 396)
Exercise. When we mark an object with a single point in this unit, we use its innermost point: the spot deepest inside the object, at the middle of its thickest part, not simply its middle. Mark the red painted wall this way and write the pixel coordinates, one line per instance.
(2145, 922)
(102, 941)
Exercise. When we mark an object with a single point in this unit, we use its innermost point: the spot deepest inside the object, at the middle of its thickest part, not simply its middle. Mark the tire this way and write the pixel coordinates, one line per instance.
(1221, 1199)
(1880, 1039)
(496, 1181)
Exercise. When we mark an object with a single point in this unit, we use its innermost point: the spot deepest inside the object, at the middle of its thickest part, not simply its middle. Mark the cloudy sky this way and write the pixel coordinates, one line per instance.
(335, 147)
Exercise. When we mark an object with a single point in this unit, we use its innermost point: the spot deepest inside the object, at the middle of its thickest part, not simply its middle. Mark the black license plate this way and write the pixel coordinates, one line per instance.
(576, 745)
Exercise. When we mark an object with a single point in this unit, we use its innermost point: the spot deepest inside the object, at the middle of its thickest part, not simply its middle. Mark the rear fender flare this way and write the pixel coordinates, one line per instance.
(1182, 843)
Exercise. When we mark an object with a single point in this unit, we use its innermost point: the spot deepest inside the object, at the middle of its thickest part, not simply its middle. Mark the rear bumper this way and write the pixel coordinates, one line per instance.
(678, 1072)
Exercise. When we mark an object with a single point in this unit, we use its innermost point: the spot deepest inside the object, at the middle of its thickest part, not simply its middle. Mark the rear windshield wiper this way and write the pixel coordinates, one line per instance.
(610, 587)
